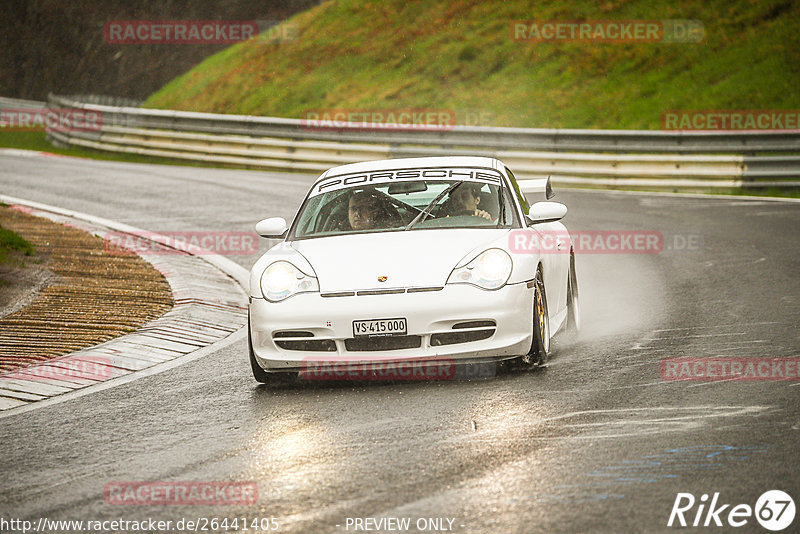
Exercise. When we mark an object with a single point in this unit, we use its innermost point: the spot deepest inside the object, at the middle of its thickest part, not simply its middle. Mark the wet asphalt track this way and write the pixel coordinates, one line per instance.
(595, 442)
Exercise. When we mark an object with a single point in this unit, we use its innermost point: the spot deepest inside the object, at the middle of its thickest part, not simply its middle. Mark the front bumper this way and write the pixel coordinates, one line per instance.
(319, 330)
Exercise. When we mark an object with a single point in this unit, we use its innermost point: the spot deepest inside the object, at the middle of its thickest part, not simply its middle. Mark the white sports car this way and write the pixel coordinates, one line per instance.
(412, 260)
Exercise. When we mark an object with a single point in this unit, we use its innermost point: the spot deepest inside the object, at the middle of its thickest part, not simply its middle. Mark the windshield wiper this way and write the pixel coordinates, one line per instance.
(424, 213)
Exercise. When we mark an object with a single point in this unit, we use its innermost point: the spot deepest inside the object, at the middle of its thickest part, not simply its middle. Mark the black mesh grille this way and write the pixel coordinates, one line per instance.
(452, 338)
(311, 345)
(362, 344)
(475, 324)
(292, 333)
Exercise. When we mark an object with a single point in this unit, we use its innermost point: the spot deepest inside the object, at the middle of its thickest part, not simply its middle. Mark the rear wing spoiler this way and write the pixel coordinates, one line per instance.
(538, 189)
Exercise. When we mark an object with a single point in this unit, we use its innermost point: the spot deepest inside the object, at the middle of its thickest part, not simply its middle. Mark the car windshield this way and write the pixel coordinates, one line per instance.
(405, 205)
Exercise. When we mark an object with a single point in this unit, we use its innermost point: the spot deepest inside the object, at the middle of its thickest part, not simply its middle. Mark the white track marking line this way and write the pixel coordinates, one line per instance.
(738, 325)
(709, 382)
(697, 335)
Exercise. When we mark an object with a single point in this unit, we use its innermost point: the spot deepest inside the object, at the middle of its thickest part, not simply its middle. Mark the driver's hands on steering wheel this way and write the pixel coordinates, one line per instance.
(482, 213)
(476, 213)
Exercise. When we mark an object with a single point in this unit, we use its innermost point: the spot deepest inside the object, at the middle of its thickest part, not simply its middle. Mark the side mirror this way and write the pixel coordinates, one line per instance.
(547, 212)
(272, 228)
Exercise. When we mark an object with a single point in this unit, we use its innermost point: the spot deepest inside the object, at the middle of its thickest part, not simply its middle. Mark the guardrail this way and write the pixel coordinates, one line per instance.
(17, 103)
(632, 158)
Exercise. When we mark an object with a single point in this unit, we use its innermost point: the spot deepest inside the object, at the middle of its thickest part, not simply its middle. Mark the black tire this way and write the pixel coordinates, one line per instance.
(573, 302)
(260, 374)
(540, 347)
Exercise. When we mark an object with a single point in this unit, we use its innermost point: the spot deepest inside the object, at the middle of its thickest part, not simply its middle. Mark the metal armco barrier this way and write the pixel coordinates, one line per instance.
(635, 158)
(16, 103)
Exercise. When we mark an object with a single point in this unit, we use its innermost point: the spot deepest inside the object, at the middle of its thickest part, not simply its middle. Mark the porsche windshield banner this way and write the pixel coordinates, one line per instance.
(343, 181)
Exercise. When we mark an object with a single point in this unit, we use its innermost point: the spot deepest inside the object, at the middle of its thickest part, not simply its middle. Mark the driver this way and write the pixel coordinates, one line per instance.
(363, 211)
(464, 200)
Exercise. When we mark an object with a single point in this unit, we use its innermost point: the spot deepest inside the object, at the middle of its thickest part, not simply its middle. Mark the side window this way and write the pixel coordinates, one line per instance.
(306, 223)
(509, 214)
(522, 202)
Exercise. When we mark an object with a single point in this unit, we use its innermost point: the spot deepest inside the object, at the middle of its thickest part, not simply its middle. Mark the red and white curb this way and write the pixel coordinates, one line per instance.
(210, 312)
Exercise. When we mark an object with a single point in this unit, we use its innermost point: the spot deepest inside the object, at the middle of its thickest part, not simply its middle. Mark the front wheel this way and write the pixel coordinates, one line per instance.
(260, 374)
(540, 347)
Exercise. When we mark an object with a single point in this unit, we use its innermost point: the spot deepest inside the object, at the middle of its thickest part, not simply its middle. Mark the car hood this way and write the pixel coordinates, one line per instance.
(418, 258)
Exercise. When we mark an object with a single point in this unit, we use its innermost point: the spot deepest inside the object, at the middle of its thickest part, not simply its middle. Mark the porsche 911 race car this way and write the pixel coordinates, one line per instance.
(412, 260)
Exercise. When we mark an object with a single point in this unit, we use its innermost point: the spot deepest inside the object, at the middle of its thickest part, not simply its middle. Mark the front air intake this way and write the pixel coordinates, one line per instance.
(466, 332)
(298, 340)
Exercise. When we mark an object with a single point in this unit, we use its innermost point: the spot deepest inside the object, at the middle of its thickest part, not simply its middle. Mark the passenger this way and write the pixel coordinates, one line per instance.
(464, 200)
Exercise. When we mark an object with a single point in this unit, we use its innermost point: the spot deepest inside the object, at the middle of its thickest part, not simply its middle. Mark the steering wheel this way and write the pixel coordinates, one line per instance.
(464, 212)
(461, 213)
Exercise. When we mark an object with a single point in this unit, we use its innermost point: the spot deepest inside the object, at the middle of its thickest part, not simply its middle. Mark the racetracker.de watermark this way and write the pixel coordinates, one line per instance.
(743, 119)
(531, 241)
(380, 119)
(730, 368)
(196, 242)
(180, 493)
(428, 369)
(56, 119)
(193, 32)
(609, 31)
(71, 369)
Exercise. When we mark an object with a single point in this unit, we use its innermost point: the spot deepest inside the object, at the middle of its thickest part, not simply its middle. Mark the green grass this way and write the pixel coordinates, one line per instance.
(460, 55)
(769, 192)
(11, 245)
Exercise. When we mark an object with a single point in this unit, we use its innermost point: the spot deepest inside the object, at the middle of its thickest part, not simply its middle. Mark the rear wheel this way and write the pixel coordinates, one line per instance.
(540, 347)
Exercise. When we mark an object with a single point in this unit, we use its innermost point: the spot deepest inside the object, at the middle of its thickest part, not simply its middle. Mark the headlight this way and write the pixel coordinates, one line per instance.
(281, 280)
(490, 270)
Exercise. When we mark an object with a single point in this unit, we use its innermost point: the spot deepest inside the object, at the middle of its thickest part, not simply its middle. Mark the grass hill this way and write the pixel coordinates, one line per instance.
(461, 55)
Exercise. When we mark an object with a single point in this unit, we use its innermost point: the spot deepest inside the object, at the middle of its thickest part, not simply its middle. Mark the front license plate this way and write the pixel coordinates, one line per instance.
(380, 327)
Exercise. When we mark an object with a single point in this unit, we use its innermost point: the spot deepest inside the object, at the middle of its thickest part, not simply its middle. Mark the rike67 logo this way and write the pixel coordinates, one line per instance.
(774, 510)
